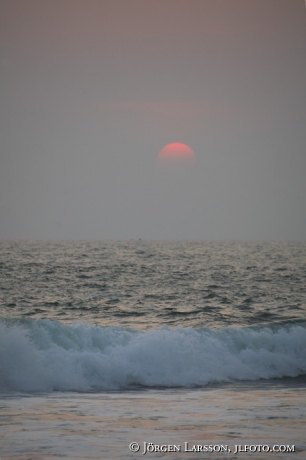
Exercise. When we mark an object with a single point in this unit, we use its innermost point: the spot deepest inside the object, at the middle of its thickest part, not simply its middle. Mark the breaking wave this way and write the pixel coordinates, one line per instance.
(45, 355)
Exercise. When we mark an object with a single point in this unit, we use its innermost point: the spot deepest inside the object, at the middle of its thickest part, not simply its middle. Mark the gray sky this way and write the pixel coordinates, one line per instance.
(91, 90)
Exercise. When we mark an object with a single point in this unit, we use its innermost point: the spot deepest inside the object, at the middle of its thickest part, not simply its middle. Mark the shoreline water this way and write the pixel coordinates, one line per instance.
(102, 425)
(183, 341)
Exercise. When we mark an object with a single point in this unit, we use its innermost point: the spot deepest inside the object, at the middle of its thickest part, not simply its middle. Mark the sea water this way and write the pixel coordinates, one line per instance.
(189, 349)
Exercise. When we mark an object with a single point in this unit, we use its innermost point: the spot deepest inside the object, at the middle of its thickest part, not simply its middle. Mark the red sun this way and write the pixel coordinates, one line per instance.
(176, 153)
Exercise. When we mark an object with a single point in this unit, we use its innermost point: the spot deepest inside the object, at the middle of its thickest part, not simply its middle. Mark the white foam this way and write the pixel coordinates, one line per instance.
(42, 355)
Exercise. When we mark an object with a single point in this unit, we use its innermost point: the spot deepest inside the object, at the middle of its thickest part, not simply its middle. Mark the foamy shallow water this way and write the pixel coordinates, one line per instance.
(102, 425)
(44, 355)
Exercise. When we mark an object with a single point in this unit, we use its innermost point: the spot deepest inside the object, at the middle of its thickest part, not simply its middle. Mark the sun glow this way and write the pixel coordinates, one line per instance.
(176, 153)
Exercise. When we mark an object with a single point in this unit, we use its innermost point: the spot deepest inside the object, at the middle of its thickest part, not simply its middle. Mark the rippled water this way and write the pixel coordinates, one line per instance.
(144, 285)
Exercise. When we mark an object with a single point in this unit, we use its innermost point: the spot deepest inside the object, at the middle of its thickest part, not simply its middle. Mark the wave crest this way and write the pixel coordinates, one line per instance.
(45, 355)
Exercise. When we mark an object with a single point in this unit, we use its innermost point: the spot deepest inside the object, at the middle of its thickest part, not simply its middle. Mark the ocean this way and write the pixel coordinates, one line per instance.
(133, 349)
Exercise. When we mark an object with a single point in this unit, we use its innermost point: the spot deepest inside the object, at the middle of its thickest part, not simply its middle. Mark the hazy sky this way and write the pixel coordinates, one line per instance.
(91, 90)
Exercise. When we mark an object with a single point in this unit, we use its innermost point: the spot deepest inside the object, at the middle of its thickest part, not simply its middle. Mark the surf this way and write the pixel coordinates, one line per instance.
(47, 355)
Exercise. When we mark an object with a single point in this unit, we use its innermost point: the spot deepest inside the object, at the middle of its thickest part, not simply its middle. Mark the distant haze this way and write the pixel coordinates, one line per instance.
(92, 90)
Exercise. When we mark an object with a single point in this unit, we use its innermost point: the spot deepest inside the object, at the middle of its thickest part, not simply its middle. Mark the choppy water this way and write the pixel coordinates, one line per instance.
(150, 284)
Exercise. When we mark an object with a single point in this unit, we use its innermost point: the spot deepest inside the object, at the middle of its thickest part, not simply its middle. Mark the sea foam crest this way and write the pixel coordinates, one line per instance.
(43, 355)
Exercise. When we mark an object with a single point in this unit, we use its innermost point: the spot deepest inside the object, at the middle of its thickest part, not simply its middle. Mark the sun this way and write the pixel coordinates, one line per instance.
(176, 153)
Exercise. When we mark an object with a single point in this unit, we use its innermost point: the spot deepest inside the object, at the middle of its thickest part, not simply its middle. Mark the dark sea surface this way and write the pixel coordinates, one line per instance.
(97, 326)
(142, 285)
